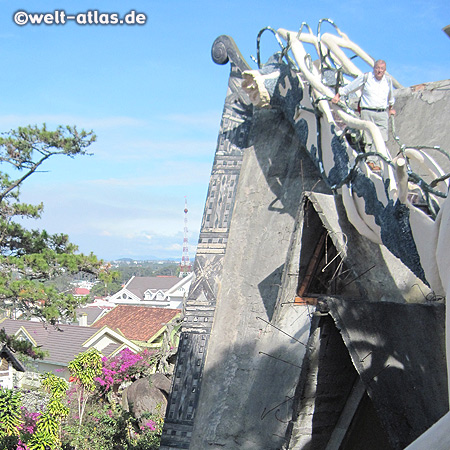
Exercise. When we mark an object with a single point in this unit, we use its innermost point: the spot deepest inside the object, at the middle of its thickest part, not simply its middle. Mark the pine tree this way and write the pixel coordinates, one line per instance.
(30, 258)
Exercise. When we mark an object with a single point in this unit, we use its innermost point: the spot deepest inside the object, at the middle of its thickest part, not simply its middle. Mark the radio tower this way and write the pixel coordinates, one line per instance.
(185, 266)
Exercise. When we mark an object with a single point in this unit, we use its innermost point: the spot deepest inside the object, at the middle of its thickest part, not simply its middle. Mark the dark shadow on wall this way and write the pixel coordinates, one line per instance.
(336, 378)
(399, 352)
(254, 418)
(284, 162)
(405, 384)
(289, 172)
(390, 348)
(269, 288)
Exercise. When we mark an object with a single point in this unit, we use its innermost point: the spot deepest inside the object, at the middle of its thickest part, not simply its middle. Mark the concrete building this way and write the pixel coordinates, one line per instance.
(300, 330)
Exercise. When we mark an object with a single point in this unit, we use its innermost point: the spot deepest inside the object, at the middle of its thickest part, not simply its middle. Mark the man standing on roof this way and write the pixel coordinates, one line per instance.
(377, 99)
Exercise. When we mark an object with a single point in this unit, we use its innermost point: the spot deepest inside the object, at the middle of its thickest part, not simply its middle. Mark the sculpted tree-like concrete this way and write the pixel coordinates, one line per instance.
(376, 204)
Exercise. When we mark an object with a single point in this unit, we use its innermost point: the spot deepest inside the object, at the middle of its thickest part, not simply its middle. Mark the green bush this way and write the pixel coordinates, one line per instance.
(59, 424)
(150, 430)
(107, 429)
(10, 412)
(102, 429)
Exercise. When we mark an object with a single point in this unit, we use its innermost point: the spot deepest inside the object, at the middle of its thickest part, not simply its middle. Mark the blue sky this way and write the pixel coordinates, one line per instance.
(154, 98)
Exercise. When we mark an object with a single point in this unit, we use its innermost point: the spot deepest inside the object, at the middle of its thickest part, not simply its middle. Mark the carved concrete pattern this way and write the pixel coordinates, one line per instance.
(200, 306)
(185, 389)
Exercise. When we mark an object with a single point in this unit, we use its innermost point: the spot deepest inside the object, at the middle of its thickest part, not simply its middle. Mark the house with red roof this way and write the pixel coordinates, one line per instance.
(161, 291)
(142, 325)
(80, 292)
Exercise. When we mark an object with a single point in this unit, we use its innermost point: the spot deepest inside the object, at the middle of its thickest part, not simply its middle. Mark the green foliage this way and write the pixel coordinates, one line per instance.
(22, 283)
(48, 428)
(29, 258)
(150, 431)
(56, 386)
(23, 347)
(10, 413)
(28, 147)
(104, 428)
(46, 435)
(103, 289)
(108, 428)
(10, 443)
(84, 369)
(147, 269)
(105, 425)
(108, 279)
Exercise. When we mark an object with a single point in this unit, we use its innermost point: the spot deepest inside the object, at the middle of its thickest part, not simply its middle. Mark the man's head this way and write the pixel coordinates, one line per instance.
(379, 69)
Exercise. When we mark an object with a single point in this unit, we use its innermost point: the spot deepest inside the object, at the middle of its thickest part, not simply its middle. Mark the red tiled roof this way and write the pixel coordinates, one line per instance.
(138, 323)
(81, 291)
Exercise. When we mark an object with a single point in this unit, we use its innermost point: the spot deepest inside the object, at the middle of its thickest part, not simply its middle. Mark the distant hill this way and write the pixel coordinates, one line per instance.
(147, 260)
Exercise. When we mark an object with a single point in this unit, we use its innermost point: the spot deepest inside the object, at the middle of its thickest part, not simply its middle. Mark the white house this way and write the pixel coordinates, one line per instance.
(161, 292)
(9, 366)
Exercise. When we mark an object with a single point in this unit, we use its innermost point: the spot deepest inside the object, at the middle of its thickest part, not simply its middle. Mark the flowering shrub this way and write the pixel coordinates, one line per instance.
(149, 435)
(151, 424)
(58, 424)
(103, 429)
(125, 366)
(106, 428)
(22, 446)
(28, 427)
(24, 426)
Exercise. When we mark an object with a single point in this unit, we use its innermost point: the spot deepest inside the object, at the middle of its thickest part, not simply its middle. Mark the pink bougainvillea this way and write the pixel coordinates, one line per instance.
(27, 428)
(22, 446)
(151, 425)
(29, 421)
(125, 366)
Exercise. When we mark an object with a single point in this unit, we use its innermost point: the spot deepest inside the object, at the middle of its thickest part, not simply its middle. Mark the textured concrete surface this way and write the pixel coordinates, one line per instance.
(423, 114)
(199, 308)
(252, 369)
(254, 251)
(242, 386)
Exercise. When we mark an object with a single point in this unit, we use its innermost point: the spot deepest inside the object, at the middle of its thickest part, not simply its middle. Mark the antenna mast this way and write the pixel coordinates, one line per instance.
(185, 266)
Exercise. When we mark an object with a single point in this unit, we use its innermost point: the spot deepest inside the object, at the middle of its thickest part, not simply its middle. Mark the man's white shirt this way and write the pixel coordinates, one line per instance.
(375, 94)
